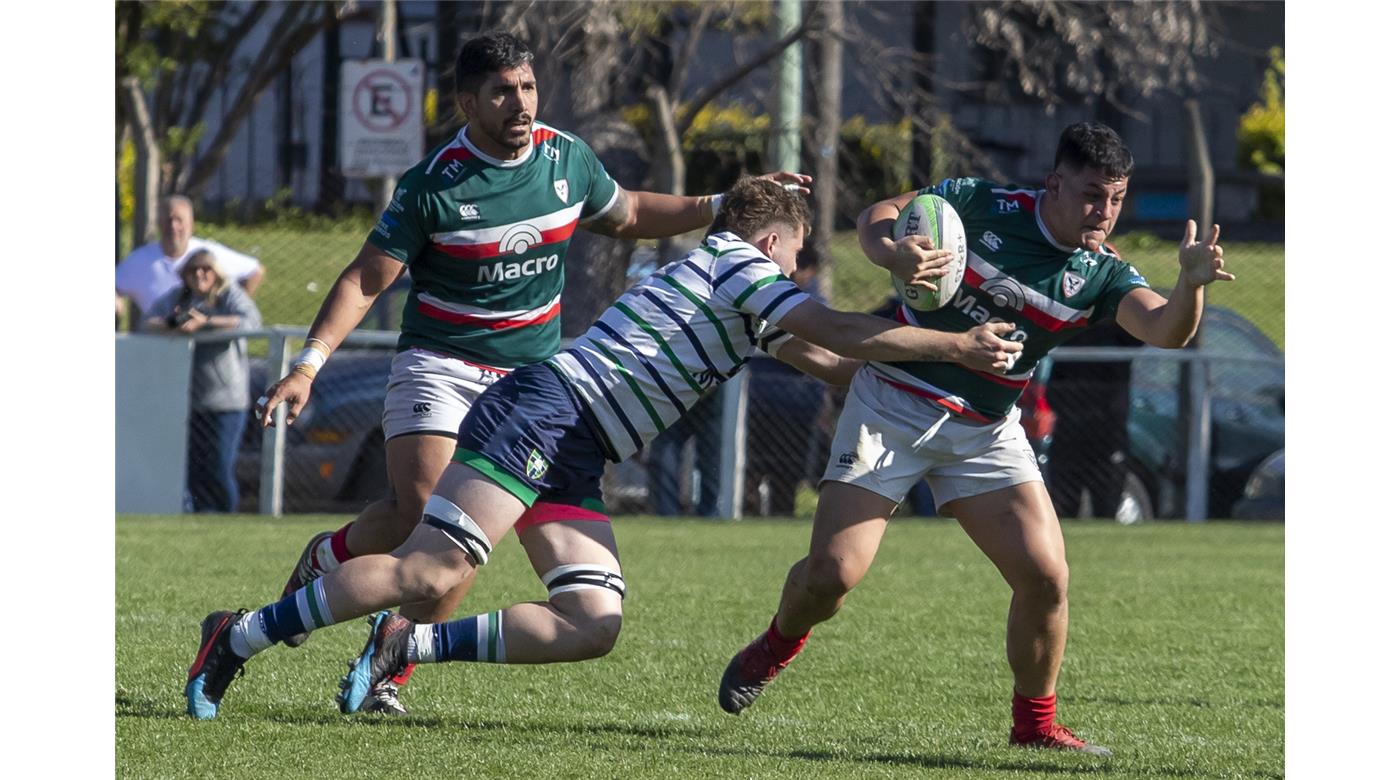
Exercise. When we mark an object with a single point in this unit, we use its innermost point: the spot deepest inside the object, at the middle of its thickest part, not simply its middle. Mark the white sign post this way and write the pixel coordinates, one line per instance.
(381, 117)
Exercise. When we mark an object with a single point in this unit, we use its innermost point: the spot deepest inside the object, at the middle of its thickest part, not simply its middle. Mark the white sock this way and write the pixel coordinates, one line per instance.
(422, 646)
(246, 636)
(324, 557)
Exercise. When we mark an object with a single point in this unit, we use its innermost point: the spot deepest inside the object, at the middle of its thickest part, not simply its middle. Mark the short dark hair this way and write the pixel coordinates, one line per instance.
(807, 257)
(753, 203)
(486, 54)
(1094, 145)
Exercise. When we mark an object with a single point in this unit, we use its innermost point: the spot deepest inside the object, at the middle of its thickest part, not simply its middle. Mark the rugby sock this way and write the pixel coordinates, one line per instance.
(1031, 715)
(333, 551)
(477, 638)
(402, 677)
(783, 648)
(304, 610)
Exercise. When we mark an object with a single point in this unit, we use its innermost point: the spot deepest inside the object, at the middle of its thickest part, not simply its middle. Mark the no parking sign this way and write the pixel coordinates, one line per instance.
(381, 117)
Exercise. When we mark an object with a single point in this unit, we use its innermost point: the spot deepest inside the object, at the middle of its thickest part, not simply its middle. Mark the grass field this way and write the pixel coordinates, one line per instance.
(303, 262)
(1175, 661)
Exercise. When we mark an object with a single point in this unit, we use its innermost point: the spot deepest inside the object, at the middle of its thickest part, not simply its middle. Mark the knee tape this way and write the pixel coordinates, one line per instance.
(563, 579)
(451, 520)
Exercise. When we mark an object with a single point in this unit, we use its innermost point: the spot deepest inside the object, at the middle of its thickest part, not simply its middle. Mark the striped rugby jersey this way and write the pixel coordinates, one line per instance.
(1016, 272)
(675, 336)
(485, 239)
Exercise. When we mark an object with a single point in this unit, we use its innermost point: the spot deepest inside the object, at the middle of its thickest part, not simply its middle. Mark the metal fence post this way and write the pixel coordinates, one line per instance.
(733, 445)
(1198, 441)
(274, 438)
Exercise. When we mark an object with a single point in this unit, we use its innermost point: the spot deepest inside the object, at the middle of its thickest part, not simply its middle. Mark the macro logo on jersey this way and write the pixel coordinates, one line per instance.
(485, 241)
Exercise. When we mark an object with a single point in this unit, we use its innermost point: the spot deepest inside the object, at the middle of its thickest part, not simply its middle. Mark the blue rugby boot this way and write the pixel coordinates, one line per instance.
(385, 655)
(214, 667)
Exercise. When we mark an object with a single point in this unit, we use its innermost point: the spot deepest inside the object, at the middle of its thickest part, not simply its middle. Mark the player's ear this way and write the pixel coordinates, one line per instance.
(467, 102)
(1052, 183)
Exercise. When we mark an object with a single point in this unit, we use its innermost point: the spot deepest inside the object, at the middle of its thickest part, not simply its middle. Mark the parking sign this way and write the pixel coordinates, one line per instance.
(381, 117)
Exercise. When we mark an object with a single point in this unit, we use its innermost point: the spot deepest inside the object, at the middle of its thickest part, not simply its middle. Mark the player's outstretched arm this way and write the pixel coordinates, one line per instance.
(640, 214)
(1171, 322)
(864, 337)
(818, 362)
(368, 275)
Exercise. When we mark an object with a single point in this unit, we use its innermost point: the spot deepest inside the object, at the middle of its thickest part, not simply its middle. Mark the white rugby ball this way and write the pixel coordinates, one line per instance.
(932, 216)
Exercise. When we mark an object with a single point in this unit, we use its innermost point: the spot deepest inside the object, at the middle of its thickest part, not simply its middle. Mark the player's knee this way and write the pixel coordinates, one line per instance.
(589, 597)
(430, 580)
(1047, 584)
(829, 579)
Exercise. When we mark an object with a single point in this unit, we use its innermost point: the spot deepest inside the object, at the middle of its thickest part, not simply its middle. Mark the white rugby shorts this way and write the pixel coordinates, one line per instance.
(431, 393)
(886, 440)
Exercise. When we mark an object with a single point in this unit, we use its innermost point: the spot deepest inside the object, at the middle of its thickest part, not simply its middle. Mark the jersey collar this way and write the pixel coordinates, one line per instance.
(484, 157)
(1045, 231)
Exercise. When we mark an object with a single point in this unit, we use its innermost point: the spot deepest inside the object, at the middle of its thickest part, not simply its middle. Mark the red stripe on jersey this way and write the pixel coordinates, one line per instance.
(484, 322)
(1001, 380)
(493, 248)
(943, 401)
(1042, 319)
(454, 154)
(1026, 199)
(541, 135)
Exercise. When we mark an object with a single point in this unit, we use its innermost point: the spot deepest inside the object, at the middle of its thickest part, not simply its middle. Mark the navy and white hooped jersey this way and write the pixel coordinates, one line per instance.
(676, 335)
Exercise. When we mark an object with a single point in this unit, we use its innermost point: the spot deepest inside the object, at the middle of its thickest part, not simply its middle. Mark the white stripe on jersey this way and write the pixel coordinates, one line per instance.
(492, 235)
(485, 314)
(674, 336)
(1034, 298)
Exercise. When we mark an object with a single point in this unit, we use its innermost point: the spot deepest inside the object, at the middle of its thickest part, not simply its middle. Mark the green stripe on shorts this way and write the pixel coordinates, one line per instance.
(488, 468)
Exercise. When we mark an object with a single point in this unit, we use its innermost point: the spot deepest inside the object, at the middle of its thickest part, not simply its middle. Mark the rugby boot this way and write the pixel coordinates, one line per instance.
(748, 673)
(383, 699)
(214, 667)
(1058, 737)
(384, 656)
(304, 572)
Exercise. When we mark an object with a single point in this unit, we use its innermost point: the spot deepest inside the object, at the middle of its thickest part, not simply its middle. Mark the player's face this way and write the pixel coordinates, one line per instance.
(1081, 207)
(501, 111)
(785, 245)
(176, 224)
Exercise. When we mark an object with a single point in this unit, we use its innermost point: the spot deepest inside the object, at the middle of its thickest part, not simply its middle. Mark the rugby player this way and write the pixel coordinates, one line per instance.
(483, 226)
(541, 436)
(1036, 260)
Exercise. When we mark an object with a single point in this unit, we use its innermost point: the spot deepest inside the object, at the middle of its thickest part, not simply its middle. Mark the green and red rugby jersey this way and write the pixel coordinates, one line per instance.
(1018, 273)
(484, 241)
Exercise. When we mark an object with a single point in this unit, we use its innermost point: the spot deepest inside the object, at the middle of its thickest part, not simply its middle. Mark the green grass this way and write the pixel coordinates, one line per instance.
(1175, 660)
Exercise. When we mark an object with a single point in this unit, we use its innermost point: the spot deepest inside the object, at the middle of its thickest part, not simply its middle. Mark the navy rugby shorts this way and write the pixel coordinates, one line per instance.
(531, 435)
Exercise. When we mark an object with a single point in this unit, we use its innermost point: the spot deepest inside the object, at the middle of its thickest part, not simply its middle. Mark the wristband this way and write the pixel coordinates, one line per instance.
(714, 205)
(304, 369)
(309, 361)
(324, 349)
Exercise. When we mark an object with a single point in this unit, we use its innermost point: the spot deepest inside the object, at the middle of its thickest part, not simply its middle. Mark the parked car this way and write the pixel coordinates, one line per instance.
(1246, 425)
(1263, 493)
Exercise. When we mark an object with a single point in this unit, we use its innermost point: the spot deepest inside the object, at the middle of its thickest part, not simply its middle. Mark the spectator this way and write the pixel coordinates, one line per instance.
(208, 300)
(664, 458)
(153, 270)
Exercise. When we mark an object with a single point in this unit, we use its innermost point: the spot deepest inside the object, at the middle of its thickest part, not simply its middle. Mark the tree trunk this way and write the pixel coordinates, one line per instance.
(667, 163)
(828, 137)
(147, 182)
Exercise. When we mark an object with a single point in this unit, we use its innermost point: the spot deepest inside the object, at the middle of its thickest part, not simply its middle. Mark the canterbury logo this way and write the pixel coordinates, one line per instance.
(1005, 293)
(519, 239)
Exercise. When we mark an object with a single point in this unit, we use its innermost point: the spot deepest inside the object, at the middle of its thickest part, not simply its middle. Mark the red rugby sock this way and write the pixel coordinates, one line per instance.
(783, 648)
(1030, 715)
(402, 677)
(338, 546)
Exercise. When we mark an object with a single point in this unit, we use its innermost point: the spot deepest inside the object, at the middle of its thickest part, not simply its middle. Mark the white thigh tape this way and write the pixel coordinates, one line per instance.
(447, 516)
(578, 576)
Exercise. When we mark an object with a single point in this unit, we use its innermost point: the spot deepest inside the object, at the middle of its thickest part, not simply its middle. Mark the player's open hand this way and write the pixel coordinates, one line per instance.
(917, 260)
(984, 349)
(294, 389)
(794, 181)
(1202, 262)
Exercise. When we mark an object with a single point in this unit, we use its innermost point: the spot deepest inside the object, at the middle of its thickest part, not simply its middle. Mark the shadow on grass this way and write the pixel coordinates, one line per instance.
(529, 730)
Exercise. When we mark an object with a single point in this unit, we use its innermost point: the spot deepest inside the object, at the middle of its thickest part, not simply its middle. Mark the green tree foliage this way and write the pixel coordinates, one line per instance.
(1261, 128)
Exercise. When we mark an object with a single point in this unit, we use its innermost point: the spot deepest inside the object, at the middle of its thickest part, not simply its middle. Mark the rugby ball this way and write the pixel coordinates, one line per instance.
(932, 216)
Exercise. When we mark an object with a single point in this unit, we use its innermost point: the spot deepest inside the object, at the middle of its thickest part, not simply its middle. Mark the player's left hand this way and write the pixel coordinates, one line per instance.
(795, 181)
(1202, 262)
